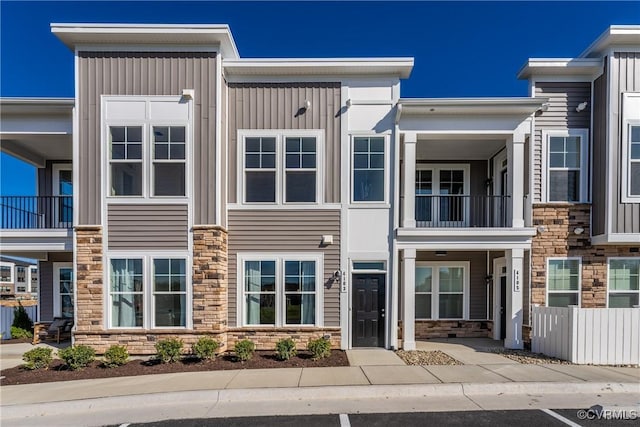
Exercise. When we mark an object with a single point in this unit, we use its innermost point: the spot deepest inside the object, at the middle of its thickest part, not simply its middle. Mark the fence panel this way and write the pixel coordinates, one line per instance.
(600, 336)
(6, 318)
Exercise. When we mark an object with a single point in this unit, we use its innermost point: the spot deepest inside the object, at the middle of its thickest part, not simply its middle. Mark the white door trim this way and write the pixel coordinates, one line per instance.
(498, 264)
(57, 266)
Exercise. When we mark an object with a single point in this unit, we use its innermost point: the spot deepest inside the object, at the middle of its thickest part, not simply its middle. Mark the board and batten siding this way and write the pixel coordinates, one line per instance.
(600, 192)
(147, 227)
(144, 74)
(624, 76)
(563, 99)
(276, 106)
(477, 277)
(290, 231)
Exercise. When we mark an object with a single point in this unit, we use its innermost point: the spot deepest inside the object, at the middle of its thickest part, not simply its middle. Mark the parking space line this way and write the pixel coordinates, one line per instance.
(344, 420)
(560, 418)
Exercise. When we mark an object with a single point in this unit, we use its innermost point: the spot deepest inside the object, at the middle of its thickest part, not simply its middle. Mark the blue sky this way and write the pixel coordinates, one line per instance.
(461, 49)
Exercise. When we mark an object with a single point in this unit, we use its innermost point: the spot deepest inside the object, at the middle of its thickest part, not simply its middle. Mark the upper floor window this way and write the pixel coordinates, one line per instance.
(368, 169)
(169, 160)
(281, 166)
(126, 160)
(634, 161)
(566, 165)
(6, 273)
(21, 274)
(563, 282)
(630, 168)
(442, 194)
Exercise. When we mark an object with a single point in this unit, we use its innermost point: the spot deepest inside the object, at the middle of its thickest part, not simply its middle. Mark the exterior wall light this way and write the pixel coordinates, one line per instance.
(578, 230)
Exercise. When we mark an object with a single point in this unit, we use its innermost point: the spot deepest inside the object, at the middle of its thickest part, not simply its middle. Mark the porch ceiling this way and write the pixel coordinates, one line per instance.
(467, 149)
(37, 148)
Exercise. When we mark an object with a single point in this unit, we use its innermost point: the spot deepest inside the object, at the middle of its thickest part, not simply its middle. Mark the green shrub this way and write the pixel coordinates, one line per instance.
(38, 358)
(18, 333)
(244, 350)
(286, 349)
(169, 350)
(116, 355)
(21, 318)
(205, 348)
(77, 356)
(319, 348)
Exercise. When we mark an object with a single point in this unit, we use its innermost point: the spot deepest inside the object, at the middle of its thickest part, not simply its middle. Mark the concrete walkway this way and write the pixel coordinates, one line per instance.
(469, 351)
(11, 354)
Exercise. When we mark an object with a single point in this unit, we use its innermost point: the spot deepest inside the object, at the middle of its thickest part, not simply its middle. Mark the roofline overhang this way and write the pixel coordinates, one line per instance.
(19, 105)
(560, 67)
(78, 34)
(470, 106)
(400, 67)
(615, 35)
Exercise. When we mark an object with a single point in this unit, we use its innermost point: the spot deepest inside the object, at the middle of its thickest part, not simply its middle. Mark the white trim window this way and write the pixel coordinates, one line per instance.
(280, 290)
(442, 194)
(368, 166)
(624, 282)
(278, 167)
(442, 290)
(21, 278)
(565, 165)
(63, 295)
(564, 276)
(630, 178)
(149, 291)
(6, 272)
(33, 274)
(125, 160)
(169, 164)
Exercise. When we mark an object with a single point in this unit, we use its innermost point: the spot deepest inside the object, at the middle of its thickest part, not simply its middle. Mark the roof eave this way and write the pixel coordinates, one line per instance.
(472, 106)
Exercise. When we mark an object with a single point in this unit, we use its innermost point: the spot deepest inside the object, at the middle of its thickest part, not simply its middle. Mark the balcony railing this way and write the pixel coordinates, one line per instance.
(460, 211)
(36, 212)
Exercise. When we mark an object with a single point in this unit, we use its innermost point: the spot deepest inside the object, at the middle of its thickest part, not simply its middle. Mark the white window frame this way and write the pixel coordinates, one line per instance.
(435, 287)
(609, 291)
(630, 117)
(154, 161)
(385, 174)
(435, 169)
(147, 160)
(583, 191)
(34, 280)
(279, 258)
(280, 135)
(55, 170)
(148, 305)
(57, 299)
(546, 287)
(10, 265)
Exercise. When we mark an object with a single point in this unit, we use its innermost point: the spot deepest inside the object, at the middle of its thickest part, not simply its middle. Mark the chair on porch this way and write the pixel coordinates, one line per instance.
(58, 330)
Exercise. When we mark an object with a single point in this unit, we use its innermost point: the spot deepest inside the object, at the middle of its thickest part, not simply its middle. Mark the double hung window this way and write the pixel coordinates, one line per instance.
(563, 281)
(441, 291)
(630, 147)
(566, 162)
(624, 282)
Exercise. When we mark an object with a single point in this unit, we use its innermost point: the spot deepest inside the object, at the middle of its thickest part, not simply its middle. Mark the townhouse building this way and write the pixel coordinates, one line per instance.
(187, 191)
(18, 278)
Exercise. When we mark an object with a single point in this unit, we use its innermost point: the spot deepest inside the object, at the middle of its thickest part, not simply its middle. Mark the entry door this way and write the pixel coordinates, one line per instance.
(368, 310)
(63, 186)
(503, 307)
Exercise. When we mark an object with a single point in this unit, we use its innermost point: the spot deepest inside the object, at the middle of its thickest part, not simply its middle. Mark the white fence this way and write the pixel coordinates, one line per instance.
(599, 336)
(6, 319)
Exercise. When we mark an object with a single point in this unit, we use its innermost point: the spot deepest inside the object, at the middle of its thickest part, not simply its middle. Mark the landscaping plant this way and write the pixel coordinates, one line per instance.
(116, 355)
(244, 350)
(169, 350)
(205, 348)
(319, 348)
(18, 333)
(286, 349)
(21, 319)
(77, 356)
(38, 358)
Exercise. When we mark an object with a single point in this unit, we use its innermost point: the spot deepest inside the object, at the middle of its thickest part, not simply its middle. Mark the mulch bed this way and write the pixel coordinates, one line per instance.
(262, 359)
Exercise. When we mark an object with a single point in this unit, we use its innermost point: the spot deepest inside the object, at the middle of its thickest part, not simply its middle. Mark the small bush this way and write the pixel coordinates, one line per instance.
(319, 348)
(77, 356)
(38, 358)
(205, 348)
(21, 318)
(116, 355)
(244, 350)
(169, 350)
(286, 349)
(18, 333)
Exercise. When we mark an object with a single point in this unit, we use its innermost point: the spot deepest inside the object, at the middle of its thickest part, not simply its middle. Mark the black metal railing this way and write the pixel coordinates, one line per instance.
(36, 212)
(459, 211)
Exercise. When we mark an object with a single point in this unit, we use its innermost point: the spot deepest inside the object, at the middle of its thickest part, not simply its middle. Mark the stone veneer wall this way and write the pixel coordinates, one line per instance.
(266, 338)
(559, 240)
(89, 302)
(425, 329)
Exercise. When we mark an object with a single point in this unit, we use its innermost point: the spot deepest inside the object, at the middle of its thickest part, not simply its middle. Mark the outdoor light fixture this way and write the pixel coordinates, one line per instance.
(578, 230)
(348, 103)
(307, 104)
(327, 239)
(582, 106)
(188, 94)
(544, 107)
(441, 253)
(541, 229)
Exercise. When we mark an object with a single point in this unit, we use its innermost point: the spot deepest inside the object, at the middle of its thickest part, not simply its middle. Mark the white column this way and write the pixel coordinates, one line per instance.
(409, 295)
(515, 154)
(515, 262)
(409, 180)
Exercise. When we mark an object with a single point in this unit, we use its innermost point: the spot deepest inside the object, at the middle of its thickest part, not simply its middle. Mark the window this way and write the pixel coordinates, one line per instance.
(563, 282)
(624, 282)
(442, 194)
(566, 164)
(21, 274)
(280, 290)
(441, 291)
(6, 273)
(126, 160)
(63, 298)
(630, 167)
(368, 169)
(34, 279)
(148, 292)
(281, 166)
(634, 161)
(169, 160)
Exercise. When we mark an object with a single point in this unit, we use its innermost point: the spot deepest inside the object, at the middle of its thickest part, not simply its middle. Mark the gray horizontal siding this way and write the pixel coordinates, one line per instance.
(146, 226)
(600, 190)
(293, 231)
(275, 106)
(146, 73)
(563, 100)
(624, 77)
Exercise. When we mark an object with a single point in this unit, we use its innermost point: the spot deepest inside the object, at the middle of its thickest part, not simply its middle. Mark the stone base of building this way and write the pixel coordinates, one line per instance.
(266, 338)
(143, 342)
(425, 329)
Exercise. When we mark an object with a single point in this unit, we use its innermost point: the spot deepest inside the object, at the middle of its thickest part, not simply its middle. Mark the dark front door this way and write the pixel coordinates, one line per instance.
(503, 307)
(368, 310)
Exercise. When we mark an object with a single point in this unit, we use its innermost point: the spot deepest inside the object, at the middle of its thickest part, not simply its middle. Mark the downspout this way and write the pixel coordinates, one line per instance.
(395, 286)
